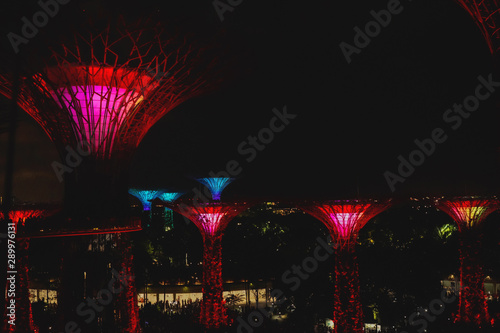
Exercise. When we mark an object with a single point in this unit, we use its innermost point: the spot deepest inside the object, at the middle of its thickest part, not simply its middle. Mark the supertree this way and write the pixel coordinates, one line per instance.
(215, 185)
(23, 314)
(169, 197)
(96, 95)
(145, 197)
(211, 219)
(344, 219)
(469, 213)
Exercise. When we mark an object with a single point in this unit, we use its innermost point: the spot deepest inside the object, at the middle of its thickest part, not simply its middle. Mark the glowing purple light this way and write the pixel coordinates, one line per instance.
(98, 112)
(345, 223)
(210, 222)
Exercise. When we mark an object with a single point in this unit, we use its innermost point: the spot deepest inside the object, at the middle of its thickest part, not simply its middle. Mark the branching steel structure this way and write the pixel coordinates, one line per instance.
(215, 185)
(486, 14)
(344, 219)
(145, 196)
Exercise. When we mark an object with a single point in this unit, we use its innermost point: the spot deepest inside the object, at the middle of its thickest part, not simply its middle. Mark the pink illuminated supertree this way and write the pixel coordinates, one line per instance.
(469, 213)
(211, 219)
(23, 314)
(344, 219)
(96, 95)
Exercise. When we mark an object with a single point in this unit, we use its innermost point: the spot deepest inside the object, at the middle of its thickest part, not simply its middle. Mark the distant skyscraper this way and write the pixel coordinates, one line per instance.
(169, 197)
(486, 13)
(145, 197)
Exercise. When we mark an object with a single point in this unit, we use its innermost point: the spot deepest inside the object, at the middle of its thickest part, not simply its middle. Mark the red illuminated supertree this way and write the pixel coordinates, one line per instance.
(344, 219)
(468, 213)
(23, 314)
(211, 219)
(96, 95)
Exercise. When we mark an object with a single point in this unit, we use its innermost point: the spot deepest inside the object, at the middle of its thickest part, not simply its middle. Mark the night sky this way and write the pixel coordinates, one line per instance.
(352, 120)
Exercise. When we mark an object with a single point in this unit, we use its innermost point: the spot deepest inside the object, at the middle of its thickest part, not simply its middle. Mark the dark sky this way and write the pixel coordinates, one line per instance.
(353, 120)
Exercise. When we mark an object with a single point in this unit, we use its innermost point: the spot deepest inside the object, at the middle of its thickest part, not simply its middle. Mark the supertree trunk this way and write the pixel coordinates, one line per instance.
(472, 305)
(347, 313)
(70, 290)
(213, 312)
(126, 301)
(24, 316)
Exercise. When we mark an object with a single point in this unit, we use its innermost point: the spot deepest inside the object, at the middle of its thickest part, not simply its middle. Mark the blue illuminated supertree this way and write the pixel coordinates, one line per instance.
(169, 216)
(216, 185)
(145, 196)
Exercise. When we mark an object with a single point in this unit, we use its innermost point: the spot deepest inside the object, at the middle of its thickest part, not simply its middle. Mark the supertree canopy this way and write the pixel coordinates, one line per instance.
(469, 213)
(211, 219)
(169, 197)
(98, 93)
(486, 13)
(344, 219)
(215, 185)
(24, 317)
(145, 196)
